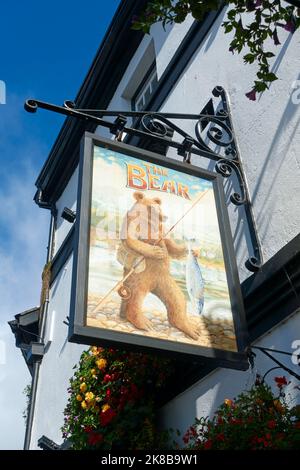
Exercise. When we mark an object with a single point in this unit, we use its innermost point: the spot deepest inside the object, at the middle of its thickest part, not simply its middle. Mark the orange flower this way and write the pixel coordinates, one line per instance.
(83, 387)
(101, 363)
(84, 405)
(228, 402)
(79, 397)
(105, 407)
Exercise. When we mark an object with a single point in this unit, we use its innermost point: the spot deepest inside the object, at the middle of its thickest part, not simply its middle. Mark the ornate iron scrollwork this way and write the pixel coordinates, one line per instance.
(214, 139)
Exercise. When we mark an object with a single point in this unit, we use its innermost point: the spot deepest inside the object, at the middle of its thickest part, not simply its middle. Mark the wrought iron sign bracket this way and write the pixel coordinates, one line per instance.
(214, 139)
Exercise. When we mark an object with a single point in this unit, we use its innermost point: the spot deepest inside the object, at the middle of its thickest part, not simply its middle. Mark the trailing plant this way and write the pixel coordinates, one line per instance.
(253, 24)
(27, 393)
(257, 419)
(113, 400)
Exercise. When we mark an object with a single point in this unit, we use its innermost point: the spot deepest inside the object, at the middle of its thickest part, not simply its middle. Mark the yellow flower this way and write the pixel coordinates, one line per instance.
(94, 350)
(83, 387)
(89, 397)
(105, 407)
(83, 405)
(101, 363)
(93, 371)
(79, 397)
(278, 406)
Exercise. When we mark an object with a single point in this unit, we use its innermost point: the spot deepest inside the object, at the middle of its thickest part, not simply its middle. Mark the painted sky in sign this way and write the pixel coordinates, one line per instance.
(194, 183)
(46, 49)
(110, 193)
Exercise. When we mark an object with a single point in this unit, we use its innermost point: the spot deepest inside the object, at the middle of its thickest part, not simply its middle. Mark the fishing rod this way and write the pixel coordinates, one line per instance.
(124, 291)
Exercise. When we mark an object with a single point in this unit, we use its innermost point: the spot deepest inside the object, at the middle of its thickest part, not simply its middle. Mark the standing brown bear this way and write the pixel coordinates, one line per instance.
(144, 245)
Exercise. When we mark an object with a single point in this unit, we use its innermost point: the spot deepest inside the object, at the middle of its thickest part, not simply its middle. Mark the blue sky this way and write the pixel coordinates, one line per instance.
(45, 52)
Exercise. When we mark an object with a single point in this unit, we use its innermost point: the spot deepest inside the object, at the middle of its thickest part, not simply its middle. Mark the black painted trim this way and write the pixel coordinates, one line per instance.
(273, 293)
(62, 255)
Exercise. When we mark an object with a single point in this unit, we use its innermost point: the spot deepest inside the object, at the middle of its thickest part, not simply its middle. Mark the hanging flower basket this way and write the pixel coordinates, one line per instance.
(113, 401)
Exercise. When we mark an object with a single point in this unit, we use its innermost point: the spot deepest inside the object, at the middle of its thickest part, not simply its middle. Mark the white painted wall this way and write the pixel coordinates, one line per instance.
(267, 136)
(56, 367)
(266, 132)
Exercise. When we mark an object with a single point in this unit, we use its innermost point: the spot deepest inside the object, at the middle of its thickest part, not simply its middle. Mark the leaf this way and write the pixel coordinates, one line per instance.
(260, 86)
(270, 77)
(228, 28)
(249, 58)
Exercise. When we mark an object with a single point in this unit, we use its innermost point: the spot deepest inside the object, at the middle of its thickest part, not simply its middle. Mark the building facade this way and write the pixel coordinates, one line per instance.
(175, 71)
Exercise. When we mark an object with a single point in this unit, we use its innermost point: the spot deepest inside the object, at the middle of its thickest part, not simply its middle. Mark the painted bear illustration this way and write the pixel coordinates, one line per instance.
(144, 246)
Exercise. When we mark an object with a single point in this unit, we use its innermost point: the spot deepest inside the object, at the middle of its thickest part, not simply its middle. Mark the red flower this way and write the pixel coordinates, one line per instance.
(208, 444)
(108, 393)
(106, 378)
(88, 429)
(271, 424)
(107, 416)
(251, 95)
(235, 421)
(134, 392)
(220, 420)
(220, 437)
(280, 381)
(94, 438)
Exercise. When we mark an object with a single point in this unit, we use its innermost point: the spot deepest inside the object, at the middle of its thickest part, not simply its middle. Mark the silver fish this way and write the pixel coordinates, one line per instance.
(194, 281)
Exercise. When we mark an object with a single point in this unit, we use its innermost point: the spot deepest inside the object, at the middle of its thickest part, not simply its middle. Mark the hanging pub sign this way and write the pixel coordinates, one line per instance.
(154, 266)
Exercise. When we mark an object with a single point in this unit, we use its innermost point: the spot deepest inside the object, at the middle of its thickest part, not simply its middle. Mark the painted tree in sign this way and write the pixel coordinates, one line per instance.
(252, 22)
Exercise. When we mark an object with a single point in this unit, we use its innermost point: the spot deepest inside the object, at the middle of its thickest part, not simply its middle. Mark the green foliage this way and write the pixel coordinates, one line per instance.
(27, 393)
(113, 399)
(252, 22)
(256, 420)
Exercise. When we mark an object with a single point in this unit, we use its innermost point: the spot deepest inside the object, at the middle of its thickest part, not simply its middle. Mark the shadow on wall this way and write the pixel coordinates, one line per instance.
(275, 157)
(214, 30)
